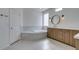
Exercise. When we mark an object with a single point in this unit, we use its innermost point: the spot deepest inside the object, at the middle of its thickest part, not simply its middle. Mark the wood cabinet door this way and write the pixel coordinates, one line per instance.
(55, 34)
(49, 32)
(60, 35)
(52, 33)
(66, 36)
(72, 41)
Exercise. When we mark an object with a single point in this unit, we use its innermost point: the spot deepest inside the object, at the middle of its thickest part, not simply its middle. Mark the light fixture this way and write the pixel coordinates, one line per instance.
(62, 17)
(58, 9)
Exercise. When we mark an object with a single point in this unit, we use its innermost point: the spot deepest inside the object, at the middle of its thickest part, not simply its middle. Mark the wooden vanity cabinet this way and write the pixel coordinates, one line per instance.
(62, 35)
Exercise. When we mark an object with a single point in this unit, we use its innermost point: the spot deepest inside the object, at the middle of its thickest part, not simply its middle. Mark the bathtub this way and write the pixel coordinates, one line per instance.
(34, 34)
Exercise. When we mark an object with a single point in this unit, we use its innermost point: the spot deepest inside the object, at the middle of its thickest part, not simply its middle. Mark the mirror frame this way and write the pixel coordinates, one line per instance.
(53, 19)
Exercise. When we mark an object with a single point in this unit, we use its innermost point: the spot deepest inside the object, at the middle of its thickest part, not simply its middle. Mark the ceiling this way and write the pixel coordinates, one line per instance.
(37, 9)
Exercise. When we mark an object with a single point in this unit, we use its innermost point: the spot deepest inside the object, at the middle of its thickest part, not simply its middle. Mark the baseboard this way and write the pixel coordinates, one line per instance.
(15, 41)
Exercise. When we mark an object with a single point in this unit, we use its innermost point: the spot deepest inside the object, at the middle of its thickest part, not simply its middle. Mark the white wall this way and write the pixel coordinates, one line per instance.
(32, 17)
(4, 28)
(71, 17)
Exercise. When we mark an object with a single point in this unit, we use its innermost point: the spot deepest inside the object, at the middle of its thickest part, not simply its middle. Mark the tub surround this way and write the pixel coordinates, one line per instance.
(65, 35)
(34, 34)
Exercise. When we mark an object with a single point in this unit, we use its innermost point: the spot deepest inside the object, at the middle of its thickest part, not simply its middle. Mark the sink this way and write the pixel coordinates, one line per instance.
(76, 36)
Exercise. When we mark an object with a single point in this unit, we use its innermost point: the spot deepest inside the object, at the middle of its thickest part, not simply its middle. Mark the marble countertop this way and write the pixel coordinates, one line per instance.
(65, 28)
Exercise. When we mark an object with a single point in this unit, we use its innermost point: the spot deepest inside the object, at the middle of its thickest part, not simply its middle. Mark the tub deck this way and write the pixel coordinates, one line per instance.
(34, 34)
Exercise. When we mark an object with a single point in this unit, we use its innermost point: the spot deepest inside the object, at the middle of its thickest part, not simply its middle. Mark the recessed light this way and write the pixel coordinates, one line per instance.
(58, 9)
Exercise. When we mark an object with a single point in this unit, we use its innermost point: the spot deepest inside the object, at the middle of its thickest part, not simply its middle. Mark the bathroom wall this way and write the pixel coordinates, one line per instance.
(32, 18)
(71, 17)
(4, 27)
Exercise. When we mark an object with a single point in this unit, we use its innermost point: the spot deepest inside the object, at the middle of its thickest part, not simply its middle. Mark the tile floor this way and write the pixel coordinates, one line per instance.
(43, 44)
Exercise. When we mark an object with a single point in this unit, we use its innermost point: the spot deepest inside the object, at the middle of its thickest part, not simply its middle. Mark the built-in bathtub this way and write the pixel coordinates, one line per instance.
(34, 34)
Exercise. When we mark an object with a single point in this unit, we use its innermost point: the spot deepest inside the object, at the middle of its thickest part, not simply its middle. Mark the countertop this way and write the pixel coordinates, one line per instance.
(65, 28)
